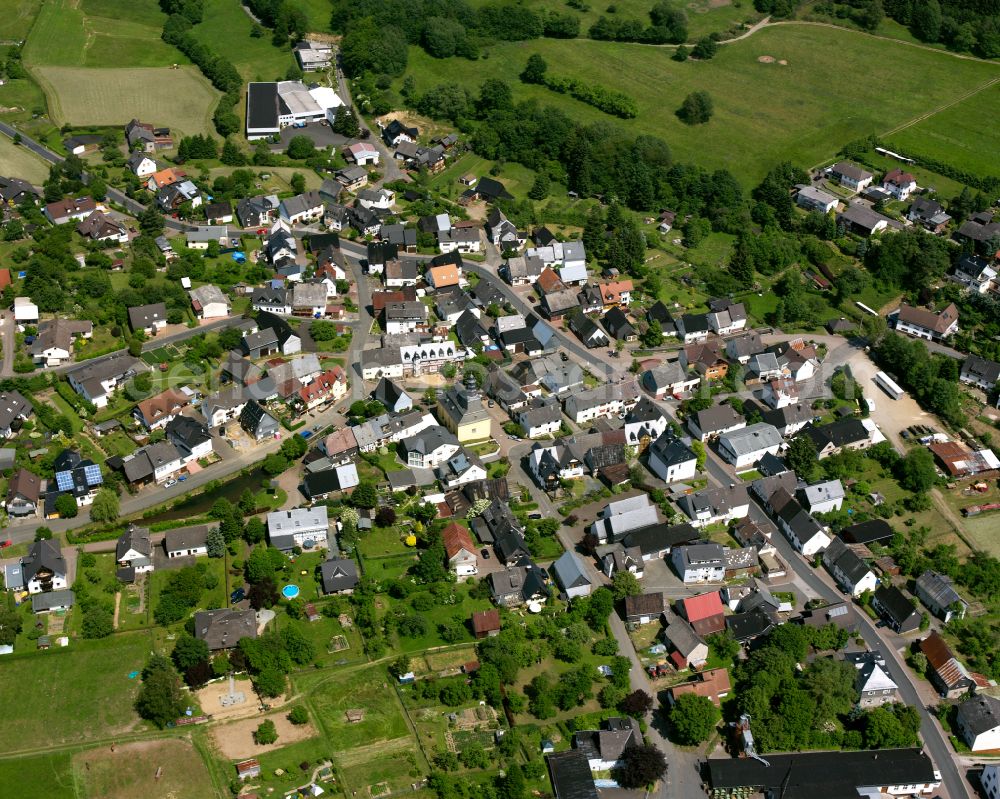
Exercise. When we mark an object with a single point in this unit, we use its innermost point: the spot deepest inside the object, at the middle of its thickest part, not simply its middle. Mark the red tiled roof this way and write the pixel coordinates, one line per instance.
(703, 606)
(485, 621)
(456, 538)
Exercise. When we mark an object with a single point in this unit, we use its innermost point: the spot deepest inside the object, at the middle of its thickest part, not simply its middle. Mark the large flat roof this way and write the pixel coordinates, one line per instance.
(262, 106)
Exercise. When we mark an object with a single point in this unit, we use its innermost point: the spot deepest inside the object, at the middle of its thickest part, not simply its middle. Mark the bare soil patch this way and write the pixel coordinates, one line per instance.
(235, 740)
(208, 699)
(766, 59)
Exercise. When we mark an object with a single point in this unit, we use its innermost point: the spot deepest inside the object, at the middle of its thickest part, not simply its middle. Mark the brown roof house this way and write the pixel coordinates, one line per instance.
(460, 550)
(486, 623)
(713, 684)
(951, 678)
(925, 324)
(645, 608)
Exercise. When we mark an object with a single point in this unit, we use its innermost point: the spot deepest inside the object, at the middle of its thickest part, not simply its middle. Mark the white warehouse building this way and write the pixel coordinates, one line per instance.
(273, 106)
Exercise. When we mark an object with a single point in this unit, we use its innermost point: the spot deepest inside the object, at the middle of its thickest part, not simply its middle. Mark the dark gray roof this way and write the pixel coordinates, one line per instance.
(43, 555)
(339, 575)
(571, 777)
(52, 599)
(979, 714)
(136, 538)
(223, 629)
(186, 537)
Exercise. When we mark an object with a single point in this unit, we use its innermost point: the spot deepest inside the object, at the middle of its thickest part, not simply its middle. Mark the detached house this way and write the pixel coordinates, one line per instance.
(851, 175)
(605, 400)
(899, 184)
(150, 319)
(98, 379)
(895, 608)
(43, 569)
(302, 208)
(14, 410)
(133, 553)
(975, 273)
(74, 210)
(571, 576)
(938, 594)
(921, 323)
(307, 528)
(813, 199)
(948, 674)
(716, 504)
(208, 302)
(705, 612)
(715, 421)
(746, 446)
(668, 380)
(540, 417)
(644, 423)
(978, 720)
(23, 492)
(671, 459)
(102, 228)
(700, 563)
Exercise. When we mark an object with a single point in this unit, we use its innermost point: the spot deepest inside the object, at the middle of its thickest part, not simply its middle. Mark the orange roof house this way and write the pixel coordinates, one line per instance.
(443, 276)
(165, 177)
(713, 684)
(616, 292)
(460, 550)
(486, 623)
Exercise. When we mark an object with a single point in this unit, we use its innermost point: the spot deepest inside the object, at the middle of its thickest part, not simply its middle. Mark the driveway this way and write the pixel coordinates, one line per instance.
(9, 343)
(320, 133)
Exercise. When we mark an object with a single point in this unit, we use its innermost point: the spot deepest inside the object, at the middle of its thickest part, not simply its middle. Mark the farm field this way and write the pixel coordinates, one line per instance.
(72, 695)
(131, 770)
(181, 97)
(49, 775)
(790, 112)
(963, 135)
(16, 21)
(100, 33)
(16, 160)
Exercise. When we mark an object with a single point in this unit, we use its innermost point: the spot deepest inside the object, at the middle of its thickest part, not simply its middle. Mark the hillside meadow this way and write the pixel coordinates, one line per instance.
(835, 86)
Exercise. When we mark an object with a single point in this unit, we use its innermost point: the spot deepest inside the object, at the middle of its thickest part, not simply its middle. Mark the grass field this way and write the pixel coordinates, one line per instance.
(800, 112)
(961, 135)
(131, 771)
(50, 776)
(100, 33)
(368, 690)
(226, 29)
(182, 97)
(16, 20)
(73, 695)
(16, 160)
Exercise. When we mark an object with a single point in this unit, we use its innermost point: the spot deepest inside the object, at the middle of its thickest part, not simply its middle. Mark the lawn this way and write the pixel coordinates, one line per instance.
(367, 690)
(17, 160)
(181, 97)
(397, 768)
(16, 21)
(153, 768)
(117, 443)
(72, 695)
(961, 135)
(50, 776)
(100, 33)
(800, 112)
(288, 758)
(66, 409)
(459, 611)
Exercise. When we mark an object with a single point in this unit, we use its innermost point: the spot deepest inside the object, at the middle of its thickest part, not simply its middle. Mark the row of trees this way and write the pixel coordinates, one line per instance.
(607, 100)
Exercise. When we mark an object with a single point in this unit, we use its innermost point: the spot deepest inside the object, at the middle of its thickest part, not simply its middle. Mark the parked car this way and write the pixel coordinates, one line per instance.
(170, 483)
(485, 553)
(534, 516)
(237, 596)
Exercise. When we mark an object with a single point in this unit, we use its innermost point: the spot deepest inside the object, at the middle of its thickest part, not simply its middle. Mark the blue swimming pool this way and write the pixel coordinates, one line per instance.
(290, 591)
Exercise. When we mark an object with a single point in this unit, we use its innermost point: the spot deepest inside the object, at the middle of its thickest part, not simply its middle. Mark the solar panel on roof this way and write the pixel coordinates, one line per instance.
(64, 481)
(93, 475)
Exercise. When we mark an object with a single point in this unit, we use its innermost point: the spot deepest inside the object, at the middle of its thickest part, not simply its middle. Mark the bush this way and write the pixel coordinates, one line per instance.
(266, 733)
(299, 715)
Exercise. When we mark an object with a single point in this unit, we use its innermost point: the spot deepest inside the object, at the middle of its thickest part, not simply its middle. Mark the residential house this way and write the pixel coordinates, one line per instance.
(989, 779)
(605, 748)
(224, 629)
(706, 358)
(849, 571)
(981, 373)
(571, 576)
(895, 608)
(191, 438)
(43, 569)
(668, 379)
(14, 410)
(644, 423)
(874, 685)
(780, 392)
(704, 612)
(622, 516)
(306, 528)
(208, 302)
(52, 601)
(150, 319)
(146, 137)
(171, 197)
(392, 397)
(339, 576)
(975, 273)
(257, 212)
(460, 239)
(899, 184)
(96, 380)
(803, 532)
(851, 175)
(875, 531)
(309, 299)
(645, 608)
(55, 340)
(743, 347)
(823, 497)
(186, 541)
(948, 675)
(615, 558)
(713, 684)
(133, 553)
(978, 722)
(103, 229)
(400, 273)
(219, 213)
(380, 199)
(396, 132)
(443, 276)
(152, 463)
(689, 650)
(938, 594)
(539, 417)
(715, 421)
(353, 177)
(618, 325)
(813, 199)
(929, 214)
(273, 298)
(604, 400)
(257, 422)
(716, 504)
(302, 208)
(429, 448)
(460, 469)
(726, 317)
(154, 413)
(521, 271)
(862, 220)
(921, 323)
(518, 585)
(321, 484)
(671, 459)
(843, 434)
(24, 490)
(588, 332)
(71, 210)
(699, 563)
(361, 153)
(746, 446)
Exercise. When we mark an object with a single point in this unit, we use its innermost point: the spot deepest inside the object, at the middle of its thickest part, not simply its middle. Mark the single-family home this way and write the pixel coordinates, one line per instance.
(925, 324)
(150, 319)
(133, 553)
(518, 585)
(460, 550)
(224, 629)
(746, 446)
(713, 684)
(339, 576)
(96, 380)
(539, 417)
(704, 612)
(979, 372)
(208, 302)
(850, 572)
(43, 569)
(813, 199)
(645, 608)
(24, 490)
(604, 400)
(14, 410)
(851, 175)
(715, 421)
(874, 685)
(101, 228)
(862, 220)
(822, 497)
(302, 208)
(306, 528)
(71, 210)
(671, 459)
(716, 504)
(895, 608)
(899, 184)
(669, 379)
(154, 413)
(258, 422)
(428, 448)
(938, 594)
(947, 673)
(978, 721)
(804, 533)
(688, 649)
(605, 748)
(571, 576)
